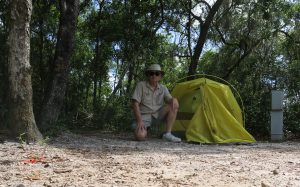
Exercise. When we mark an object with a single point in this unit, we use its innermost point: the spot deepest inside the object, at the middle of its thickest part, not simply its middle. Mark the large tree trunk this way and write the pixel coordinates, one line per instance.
(21, 117)
(202, 38)
(56, 89)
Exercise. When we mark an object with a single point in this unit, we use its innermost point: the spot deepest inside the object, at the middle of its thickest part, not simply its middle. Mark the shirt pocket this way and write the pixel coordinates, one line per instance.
(147, 98)
(159, 98)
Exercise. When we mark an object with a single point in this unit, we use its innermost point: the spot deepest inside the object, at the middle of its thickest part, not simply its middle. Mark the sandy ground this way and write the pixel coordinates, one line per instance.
(103, 160)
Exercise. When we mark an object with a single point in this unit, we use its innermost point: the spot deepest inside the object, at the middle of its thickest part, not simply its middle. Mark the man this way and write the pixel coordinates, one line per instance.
(153, 103)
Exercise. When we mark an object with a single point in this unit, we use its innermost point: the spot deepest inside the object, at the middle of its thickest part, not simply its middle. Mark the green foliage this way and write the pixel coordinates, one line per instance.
(22, 138)
(291, 118)
(44, 25)
(61, 126)
(120, 115)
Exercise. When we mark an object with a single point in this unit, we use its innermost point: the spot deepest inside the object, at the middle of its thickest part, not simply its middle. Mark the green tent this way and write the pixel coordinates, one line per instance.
(209, 113)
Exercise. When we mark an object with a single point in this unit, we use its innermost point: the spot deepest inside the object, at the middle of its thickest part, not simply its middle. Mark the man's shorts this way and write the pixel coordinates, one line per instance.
(150, 120)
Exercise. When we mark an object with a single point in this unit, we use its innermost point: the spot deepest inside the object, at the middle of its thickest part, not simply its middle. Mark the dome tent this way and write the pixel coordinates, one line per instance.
(209, 113)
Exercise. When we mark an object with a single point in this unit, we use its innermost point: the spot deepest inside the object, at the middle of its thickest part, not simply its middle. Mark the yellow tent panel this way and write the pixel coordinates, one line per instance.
(209, 113)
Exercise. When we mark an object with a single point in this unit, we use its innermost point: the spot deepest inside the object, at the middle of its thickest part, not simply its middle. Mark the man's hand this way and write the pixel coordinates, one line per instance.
(140, 132)
(140, 125)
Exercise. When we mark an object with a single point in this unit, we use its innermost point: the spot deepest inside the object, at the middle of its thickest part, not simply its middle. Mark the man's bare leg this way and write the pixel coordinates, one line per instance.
(171, 115)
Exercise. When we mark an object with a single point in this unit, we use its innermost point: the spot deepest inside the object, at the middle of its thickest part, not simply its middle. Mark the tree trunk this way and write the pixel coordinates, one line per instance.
(55, 94)
(96, 69)
(202, 38)
(21, 117)
(130, 77)
(98, 76)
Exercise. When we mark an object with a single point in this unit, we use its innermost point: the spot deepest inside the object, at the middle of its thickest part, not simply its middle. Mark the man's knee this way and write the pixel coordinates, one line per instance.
(173, 106)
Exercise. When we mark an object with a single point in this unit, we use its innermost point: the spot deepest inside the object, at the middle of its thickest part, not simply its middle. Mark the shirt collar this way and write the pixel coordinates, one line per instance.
(149, 86)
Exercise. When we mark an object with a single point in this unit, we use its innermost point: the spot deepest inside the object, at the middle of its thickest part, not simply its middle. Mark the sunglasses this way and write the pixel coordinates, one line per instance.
(151, 73)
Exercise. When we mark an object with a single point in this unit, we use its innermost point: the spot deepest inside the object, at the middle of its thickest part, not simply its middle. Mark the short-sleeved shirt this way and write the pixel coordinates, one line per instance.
(150, 101)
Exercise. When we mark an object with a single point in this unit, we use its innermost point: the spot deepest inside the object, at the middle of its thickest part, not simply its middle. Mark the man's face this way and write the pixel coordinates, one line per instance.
(154, 75)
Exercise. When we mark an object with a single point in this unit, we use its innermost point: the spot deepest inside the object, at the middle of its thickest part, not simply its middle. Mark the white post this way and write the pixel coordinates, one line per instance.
(277, 115)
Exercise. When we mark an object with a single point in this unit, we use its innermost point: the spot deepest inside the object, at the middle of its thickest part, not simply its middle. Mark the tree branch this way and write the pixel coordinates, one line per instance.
(289, 36)
(245, 54)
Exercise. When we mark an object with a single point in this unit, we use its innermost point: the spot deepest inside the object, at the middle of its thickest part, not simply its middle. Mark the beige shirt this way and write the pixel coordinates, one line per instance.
(150, 101)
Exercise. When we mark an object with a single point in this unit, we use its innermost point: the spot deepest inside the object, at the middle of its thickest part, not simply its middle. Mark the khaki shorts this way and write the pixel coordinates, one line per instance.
(150, 120)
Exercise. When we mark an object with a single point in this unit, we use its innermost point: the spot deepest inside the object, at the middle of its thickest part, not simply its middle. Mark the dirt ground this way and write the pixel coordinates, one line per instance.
(105, 160)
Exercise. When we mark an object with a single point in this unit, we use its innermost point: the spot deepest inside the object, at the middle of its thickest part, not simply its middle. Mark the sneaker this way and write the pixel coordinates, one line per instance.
(171, 138)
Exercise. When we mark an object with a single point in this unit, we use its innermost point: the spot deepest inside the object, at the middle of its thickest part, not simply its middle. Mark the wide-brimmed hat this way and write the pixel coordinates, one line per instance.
(154, 67)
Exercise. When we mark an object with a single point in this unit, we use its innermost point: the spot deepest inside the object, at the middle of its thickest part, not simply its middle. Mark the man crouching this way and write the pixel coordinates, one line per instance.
(152, 104)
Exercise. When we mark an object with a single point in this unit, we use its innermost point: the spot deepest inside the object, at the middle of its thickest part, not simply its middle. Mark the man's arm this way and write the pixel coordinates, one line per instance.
(137, 114)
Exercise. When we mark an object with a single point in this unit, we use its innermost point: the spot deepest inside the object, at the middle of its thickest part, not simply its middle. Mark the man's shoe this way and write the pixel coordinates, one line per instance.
(171, 138)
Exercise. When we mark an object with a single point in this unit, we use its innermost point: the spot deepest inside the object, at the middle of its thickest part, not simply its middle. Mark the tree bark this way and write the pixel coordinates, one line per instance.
(202, 38)
(20, 114)
(56, 89)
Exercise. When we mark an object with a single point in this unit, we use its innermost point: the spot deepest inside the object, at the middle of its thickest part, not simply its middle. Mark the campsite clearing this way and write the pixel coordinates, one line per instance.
(106, 160)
